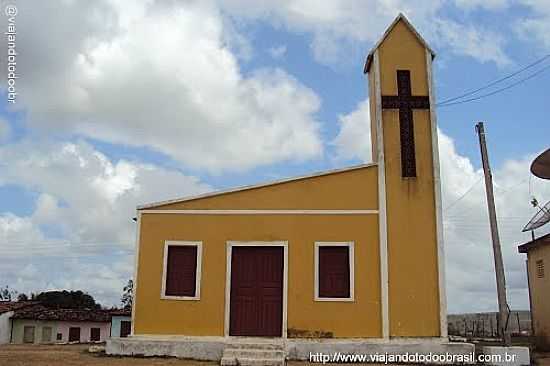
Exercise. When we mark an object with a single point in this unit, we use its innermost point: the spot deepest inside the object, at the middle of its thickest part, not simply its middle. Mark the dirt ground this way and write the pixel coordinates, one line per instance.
(77, 355)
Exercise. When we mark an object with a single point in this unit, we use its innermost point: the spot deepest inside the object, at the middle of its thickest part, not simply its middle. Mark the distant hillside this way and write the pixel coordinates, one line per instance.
(485, 324)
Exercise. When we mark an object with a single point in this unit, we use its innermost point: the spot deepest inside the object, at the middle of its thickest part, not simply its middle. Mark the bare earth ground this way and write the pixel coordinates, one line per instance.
(77, 355)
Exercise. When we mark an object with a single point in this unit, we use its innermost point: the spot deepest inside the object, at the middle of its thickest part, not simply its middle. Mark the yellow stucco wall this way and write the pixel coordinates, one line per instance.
(337, 191)
(206, 317)
(360, 318)
(539, 290)
(412, 244)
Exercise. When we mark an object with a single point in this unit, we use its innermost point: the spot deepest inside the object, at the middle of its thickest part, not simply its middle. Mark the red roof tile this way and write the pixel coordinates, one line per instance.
(40, 312)
(6, 306)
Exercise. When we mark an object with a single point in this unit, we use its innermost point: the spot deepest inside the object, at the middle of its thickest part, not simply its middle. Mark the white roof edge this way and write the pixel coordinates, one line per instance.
(399, 17)
(253, 186)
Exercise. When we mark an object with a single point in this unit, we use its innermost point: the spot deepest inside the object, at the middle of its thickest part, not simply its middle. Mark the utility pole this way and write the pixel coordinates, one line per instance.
(497, 253)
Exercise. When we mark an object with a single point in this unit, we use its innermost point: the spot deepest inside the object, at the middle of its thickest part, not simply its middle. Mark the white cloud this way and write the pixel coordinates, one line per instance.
(469, 258)
(162, 76)
(485, 4)
(535, 26)
(5, 130)
(81, 233)
(535, 29)
(277, 52)
(477, 42)
(337, 27)
(353, 140)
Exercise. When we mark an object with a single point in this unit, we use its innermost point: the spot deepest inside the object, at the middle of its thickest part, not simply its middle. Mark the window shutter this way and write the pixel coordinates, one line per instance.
(125, 328)
(74, 334)
(95, 334)
(181, 271)
(334, 272)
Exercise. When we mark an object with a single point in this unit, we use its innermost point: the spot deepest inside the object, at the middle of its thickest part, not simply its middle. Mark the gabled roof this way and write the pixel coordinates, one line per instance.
(40, 312)
(543, 240)
(400, 18)
(120, 312)
(6, 306)
(255, 186)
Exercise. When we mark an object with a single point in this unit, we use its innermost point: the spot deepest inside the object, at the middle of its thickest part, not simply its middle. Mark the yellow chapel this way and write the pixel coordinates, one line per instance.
(345, 259)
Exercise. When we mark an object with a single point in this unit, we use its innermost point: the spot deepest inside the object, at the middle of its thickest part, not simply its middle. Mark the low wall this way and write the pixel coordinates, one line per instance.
(211, 348)
(198, 348)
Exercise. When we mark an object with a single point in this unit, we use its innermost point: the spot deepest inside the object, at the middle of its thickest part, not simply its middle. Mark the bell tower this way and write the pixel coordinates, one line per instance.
(404, 134)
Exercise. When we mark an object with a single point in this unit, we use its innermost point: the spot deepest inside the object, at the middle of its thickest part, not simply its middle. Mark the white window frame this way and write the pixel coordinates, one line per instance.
(169, 243)
(350, 245)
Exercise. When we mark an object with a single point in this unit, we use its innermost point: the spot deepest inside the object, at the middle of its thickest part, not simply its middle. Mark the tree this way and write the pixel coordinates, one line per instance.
(67, 300)
(127, 295)
(22, 297)
(7, 294)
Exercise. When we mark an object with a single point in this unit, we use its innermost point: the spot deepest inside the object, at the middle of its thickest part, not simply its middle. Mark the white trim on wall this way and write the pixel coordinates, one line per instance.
(350, 246)
(438, 206)
(198, 265)
(136, 264)
(261, 212)
(382, 219)
(230, 244)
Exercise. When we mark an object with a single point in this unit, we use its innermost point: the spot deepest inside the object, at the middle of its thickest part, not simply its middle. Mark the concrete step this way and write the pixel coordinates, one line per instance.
(253, 353)
(228, 361)
(259, 362)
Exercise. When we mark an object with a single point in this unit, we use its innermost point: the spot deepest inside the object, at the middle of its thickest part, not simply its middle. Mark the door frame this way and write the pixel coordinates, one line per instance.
(33, 327)
(230, 244)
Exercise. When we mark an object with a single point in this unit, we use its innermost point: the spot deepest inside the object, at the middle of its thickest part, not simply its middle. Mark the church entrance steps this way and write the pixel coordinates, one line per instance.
(254, 353)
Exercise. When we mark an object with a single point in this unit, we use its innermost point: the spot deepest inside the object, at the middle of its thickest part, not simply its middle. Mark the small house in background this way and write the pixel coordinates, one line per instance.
(7, 309)
(38, 324)
(121, 323)
(538, 258)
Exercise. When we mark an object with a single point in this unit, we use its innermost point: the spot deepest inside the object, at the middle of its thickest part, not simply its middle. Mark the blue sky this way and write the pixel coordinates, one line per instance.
(123, 103)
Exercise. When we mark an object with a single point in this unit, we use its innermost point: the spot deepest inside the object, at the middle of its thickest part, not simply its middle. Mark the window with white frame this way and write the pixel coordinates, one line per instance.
(182, 270)
(334, 271)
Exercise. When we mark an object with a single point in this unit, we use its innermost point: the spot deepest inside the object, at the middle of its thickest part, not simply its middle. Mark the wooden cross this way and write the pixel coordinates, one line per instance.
(406, 102)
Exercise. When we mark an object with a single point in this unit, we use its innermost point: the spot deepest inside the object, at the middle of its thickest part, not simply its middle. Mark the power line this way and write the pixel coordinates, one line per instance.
(471, 92)
(498, 90)
(505, 191)
(463, 195)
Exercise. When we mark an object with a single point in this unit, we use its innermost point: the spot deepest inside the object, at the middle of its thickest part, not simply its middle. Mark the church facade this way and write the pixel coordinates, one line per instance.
(351, 254)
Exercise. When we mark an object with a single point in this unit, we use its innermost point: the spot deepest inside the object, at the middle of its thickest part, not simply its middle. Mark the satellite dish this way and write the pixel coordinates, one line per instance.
(541, 165)
(540, 218)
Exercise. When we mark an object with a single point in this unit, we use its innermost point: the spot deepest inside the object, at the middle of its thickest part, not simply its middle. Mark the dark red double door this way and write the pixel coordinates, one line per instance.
(256, 305)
